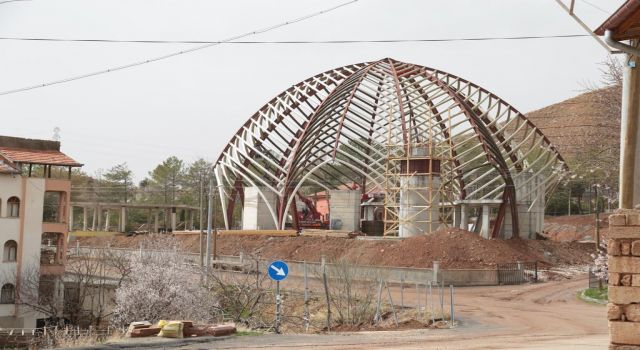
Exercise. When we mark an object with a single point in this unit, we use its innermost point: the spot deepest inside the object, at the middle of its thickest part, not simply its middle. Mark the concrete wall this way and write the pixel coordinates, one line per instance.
(256, 214)
(344, 210)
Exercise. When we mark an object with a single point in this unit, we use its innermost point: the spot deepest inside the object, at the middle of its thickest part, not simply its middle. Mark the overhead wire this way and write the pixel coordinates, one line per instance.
(258, 42)
(177, 53)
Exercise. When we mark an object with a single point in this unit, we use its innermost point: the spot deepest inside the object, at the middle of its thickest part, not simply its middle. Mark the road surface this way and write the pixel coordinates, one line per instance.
(535, 316)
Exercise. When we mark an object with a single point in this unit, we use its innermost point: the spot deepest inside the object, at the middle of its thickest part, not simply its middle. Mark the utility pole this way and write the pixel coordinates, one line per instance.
(209, 226)
(215, 227)
(200, 217)
(597, 221)
(629, 132)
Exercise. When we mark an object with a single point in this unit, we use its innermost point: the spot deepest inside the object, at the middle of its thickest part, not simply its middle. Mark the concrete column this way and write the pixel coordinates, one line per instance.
(99, 211)
(173, 219)
(149, 221)
(94, 218)
(157, 219)
(486, 217)
(84, 218)
(71, 218)
(106, 221)
(464, 217)
(123, 219)
(436, 270)
(456, 215)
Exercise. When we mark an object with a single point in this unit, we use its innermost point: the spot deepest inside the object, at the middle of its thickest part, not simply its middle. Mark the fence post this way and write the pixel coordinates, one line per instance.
(442, 300)
(417, 299)
(402, 290)
(432, 309)
(451, 303)
(326, 292)
(376, 318)
(436, 270)
(393, 308)
(306, 298)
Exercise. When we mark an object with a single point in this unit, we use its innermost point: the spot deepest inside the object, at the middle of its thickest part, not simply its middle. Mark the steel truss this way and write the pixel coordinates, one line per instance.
(354, 123)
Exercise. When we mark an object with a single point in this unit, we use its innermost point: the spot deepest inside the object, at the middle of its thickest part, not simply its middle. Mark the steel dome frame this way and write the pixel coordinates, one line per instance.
(328, 129)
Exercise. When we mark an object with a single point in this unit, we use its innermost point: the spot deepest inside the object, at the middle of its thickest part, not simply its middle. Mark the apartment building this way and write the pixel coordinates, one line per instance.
(35, 190)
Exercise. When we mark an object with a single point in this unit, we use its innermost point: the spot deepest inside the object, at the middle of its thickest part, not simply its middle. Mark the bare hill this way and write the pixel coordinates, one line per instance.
(583, 127)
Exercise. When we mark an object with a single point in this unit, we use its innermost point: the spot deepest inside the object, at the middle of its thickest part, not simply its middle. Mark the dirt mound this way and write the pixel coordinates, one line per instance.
(453, 248)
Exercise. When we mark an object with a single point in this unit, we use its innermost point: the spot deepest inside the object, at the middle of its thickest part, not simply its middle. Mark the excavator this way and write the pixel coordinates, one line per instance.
(308, 216)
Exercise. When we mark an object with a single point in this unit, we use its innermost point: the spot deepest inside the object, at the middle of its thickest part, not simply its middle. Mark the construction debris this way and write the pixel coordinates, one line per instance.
(178, 329)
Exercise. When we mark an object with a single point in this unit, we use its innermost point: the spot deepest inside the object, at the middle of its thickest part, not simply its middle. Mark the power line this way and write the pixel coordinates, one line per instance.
(177, 53)
(357, 41)
(595, 7)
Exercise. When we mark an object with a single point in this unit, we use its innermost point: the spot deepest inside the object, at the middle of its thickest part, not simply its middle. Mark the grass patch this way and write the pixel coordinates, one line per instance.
(595, 295)
(247, 333)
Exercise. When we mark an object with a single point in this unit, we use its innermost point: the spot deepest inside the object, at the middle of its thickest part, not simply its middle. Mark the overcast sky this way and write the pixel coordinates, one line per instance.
(190, 106)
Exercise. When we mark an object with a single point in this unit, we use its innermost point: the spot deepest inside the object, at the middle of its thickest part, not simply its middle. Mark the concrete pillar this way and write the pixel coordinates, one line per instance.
(106, 221)
(71, 218)
(344, 209)
(456, 215)
(173, 219)
(157, 219)
(123, 219)
(256, 213)
(464, 217)
(149, 221)
(486, 217)
(94, 218)
(84, 218)
(99, 211)
(436, 270)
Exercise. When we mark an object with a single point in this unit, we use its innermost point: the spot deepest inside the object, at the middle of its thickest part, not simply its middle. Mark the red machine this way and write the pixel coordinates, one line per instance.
(308, 216)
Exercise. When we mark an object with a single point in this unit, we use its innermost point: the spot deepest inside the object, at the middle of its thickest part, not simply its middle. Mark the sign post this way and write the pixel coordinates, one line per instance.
(278, 271)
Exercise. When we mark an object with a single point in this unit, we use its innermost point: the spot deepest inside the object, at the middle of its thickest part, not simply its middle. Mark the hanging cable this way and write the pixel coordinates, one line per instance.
(177, 53)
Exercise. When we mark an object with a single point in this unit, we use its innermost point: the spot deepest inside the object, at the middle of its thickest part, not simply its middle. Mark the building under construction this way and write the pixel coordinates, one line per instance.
(392, 149)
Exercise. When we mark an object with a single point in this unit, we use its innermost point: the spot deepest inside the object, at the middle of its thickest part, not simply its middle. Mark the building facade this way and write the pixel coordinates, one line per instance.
(35, 190)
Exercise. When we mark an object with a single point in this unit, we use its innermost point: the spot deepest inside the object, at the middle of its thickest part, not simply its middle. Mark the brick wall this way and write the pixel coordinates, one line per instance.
(623, 310)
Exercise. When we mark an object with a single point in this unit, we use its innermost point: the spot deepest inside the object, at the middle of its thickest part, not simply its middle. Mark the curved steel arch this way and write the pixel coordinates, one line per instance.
(353, 111)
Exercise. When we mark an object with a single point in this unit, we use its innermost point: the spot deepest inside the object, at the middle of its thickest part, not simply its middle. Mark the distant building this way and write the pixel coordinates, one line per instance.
(35, 191)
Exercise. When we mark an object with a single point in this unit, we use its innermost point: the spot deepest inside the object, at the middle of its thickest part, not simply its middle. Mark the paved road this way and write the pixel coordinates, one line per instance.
(540, 316)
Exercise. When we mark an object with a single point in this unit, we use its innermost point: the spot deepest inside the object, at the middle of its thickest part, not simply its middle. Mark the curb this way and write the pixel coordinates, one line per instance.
(151, 344)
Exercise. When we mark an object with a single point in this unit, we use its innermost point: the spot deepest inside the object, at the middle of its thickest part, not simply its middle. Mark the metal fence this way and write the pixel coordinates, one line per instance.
(517, 273)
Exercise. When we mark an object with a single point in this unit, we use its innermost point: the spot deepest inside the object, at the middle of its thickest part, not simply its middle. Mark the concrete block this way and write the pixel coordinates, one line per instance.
(617, 220)
(635, 248)
(625, 248)
(613, 247)
(635, 280)
(623, 347)
(624, 232)
(633, 219)
(625, 280)
(624, 332)
(624, 264)
(614, 278)
(614, 312)
(624, 295)
(632, 312)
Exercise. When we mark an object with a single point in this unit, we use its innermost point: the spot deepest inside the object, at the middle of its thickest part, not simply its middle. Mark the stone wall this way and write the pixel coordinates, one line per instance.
(623, 310)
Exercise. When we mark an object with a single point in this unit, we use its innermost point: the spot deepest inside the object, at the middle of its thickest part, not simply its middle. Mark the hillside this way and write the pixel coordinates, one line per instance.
(585, 127)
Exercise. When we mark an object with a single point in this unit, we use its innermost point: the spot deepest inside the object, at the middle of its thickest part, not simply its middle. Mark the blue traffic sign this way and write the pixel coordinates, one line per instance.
(278, 270)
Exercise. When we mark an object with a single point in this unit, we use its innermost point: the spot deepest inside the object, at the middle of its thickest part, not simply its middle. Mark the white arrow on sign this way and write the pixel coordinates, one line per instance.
(279, 271)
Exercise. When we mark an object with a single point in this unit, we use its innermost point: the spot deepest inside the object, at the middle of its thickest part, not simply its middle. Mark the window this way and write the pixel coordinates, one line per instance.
(13, 207)
(10, 251)
(8, 294)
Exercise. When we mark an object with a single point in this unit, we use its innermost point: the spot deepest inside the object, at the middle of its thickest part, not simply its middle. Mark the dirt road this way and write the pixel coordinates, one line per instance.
(540, 316)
